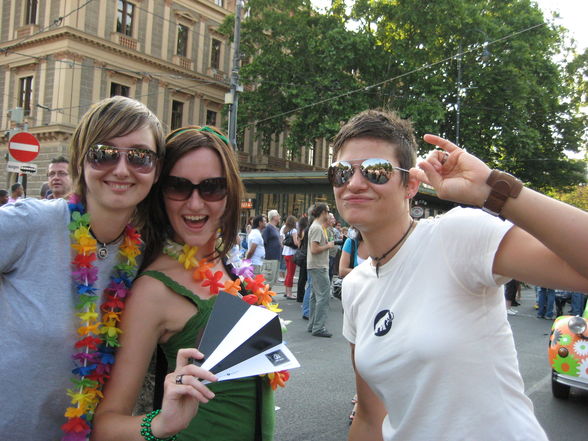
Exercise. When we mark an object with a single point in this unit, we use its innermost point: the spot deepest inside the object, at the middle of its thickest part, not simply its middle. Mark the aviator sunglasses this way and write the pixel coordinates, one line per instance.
(103, 157)
(181, 189)
(375, 170)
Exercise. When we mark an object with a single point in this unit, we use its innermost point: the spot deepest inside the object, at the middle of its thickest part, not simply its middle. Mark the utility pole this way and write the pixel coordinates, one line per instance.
(232, 98)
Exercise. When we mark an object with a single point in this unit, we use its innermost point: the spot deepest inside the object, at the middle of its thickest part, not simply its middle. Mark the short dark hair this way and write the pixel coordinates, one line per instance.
(385, 125)
(3, 193)
(59, 160)
(257, 220)
(15, 186)
(318, 210)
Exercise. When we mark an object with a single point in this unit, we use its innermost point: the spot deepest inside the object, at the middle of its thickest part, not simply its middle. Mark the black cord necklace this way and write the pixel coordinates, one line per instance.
(378, 260)
(101, 250)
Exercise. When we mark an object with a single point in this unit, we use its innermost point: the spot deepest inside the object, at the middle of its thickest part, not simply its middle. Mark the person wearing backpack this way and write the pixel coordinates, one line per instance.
(291, 243)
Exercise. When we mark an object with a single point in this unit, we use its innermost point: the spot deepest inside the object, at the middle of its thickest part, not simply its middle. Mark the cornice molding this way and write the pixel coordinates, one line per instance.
(68, 33)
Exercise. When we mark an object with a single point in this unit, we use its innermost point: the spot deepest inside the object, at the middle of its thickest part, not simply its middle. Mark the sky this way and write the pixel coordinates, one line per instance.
(573, 16)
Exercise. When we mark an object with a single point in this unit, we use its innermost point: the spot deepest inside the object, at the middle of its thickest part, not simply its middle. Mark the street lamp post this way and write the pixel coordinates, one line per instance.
(232, 98)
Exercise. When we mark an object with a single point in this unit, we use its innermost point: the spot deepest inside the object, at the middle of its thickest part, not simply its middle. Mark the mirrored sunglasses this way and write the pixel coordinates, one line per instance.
(103, 157)
(181, 189)
(375, 170)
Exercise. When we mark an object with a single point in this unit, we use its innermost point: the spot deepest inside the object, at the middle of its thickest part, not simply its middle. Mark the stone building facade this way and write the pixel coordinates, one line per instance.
(60, 56)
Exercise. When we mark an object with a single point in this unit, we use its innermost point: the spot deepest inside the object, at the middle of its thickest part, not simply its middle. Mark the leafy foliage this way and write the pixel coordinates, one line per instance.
(518, 108)
(578, 196)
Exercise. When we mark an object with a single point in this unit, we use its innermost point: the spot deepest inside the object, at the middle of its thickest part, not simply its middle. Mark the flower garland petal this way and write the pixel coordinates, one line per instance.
(252, 287)
(98, 325)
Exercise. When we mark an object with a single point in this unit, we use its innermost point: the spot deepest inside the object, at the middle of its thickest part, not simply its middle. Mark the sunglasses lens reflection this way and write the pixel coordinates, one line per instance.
(102, 157)
(376, 171)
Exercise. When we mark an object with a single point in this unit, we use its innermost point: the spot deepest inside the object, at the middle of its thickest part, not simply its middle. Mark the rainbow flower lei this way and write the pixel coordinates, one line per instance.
(253, 289)
(98, 329)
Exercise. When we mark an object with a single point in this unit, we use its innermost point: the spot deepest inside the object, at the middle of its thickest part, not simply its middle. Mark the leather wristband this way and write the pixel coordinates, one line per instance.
(503, 186)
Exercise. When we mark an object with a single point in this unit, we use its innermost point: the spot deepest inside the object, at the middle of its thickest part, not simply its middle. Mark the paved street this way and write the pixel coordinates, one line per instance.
(316, 403)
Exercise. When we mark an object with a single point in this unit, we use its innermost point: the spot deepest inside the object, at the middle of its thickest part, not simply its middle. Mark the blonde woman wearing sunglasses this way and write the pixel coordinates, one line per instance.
(194, 215)
(59, 263)
(431, 346)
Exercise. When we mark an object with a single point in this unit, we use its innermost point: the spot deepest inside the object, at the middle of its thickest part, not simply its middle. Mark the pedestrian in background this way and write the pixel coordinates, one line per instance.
(318, 268)
(511, 289)
(456, 377)
(272, 241)
(59, 178)
(290, 234)
(255, 243)
(546, 302)
(16, 192)
(300, 259)
(3, 197)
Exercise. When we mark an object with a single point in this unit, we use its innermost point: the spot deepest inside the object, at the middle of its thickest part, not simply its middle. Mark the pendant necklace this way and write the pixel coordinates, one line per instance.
(101, 247)
(378, 260)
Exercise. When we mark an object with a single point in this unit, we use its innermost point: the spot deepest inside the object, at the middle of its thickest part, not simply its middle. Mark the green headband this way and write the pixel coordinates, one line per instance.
(202, 129)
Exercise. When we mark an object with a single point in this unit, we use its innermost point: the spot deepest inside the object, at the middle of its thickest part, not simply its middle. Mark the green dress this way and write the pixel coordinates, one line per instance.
(232, 414)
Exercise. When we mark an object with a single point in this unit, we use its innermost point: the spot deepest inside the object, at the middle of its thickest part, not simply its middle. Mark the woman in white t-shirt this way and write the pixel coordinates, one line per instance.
(431, 345)
(289, 230)
(255, 245)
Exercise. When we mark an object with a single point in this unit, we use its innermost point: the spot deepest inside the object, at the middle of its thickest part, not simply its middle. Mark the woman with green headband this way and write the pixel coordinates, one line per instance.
(193, 224)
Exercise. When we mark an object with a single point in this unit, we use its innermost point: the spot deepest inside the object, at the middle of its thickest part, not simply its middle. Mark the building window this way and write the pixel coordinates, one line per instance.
(124, 21)
(31, 12)
(119, 89)
(219, 2)
(25, 94)
(210, 118)
(177, 114)
(215, 54)
(182, 40)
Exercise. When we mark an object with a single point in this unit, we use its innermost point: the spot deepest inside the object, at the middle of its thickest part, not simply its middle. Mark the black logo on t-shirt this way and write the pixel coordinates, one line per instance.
(383, 322)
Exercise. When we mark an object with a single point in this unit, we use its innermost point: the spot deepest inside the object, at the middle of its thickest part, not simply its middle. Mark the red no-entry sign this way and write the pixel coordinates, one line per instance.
(23, 147)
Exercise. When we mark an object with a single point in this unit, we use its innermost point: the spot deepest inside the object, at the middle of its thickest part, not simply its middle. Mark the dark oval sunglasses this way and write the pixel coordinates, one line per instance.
(375, 170)
(181, 189)
(103, 157)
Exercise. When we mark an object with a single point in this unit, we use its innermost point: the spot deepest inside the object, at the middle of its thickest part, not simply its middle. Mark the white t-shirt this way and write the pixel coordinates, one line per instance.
(259, 253)
(286, 250)
(432, 339)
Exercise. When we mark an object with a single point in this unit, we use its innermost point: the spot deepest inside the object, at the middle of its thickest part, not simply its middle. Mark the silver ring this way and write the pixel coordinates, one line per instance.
(179, 379)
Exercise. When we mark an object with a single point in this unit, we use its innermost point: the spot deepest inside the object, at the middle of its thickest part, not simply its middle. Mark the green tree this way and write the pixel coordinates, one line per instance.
(578, 197)
(518, 108)
(298, 61)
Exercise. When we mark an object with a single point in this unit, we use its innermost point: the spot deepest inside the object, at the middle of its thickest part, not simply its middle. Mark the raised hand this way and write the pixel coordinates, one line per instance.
(454, 174)
(182, 394)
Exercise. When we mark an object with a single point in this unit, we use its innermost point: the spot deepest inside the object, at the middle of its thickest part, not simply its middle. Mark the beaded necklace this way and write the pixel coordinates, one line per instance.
(98, 329)
(252, 290)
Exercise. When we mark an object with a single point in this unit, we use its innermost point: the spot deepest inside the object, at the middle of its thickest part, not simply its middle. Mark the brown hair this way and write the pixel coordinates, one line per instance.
(290, 224)
(384, 125)
(178, 144)
(110, 118)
